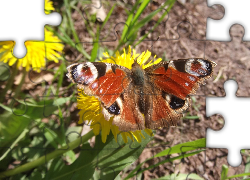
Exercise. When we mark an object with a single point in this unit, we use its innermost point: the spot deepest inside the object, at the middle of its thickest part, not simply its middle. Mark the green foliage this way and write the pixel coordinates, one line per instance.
(103, 161)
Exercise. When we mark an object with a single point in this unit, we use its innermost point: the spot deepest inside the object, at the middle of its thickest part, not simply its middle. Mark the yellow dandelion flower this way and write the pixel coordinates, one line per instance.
(37, 51)
(91, 113)
(48, 6)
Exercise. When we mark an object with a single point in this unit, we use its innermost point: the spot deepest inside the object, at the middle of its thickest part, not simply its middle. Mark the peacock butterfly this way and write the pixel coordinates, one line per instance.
(142, 98)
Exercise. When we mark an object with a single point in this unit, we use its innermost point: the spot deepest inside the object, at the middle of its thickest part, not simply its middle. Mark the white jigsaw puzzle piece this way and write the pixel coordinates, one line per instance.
(234, 134)
(235, 13)
(24, 20)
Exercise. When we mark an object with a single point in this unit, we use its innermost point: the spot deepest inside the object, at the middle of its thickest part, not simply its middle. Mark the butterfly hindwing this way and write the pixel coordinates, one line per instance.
(129, 117)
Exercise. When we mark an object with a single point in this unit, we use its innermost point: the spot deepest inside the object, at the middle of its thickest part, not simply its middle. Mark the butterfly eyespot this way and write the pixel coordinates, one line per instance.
(176, 103)
(114, 109)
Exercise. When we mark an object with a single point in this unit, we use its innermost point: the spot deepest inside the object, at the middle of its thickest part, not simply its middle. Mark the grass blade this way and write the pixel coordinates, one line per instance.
(165, 161)
(108, 16)
(180, 148)
(139, 12)
(128, 22)
(224, 172)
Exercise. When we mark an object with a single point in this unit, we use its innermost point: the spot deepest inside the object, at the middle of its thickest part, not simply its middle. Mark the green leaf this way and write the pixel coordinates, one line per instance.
(224, 172)
(104, 161)
(11, 126)
(51, 137)
(83, 165)
(128, 22)
(21, 136)
(139, 12)
(60, 101)
(70, 156)
(238, 175)
(184, 147)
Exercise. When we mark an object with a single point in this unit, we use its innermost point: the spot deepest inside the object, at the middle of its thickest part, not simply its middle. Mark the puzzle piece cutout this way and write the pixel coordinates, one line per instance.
(234, 120)
(30, 20)
(233, 56)
(234, 14)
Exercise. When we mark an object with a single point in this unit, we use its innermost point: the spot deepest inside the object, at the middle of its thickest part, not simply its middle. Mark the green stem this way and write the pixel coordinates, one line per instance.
(28, 166)
(9, 83)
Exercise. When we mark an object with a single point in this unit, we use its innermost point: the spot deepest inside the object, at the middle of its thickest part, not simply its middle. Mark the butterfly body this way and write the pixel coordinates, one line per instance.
(142, 98)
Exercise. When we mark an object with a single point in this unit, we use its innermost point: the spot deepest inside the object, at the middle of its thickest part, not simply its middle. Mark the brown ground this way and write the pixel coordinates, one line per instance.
(232, 60)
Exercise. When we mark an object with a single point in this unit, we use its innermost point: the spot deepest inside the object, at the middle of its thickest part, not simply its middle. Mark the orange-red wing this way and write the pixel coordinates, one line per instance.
(180, 77)
(110, 86)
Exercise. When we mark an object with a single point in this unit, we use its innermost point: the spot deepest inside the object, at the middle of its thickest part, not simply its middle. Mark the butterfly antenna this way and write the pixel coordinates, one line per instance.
(155, 42)
(120, 37)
